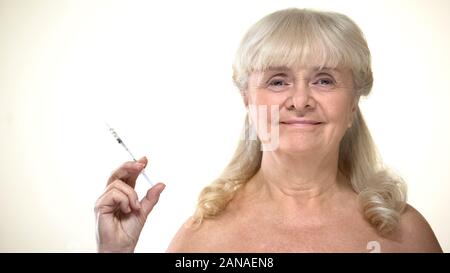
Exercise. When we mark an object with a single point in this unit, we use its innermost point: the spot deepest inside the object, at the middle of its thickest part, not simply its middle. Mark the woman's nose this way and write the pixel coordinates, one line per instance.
(300, 97)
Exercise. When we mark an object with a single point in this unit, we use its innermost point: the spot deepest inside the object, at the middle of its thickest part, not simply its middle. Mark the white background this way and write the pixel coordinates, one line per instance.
(160, 73)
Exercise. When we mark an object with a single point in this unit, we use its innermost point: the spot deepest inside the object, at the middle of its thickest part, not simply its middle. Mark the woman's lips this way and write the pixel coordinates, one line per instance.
(301, 122)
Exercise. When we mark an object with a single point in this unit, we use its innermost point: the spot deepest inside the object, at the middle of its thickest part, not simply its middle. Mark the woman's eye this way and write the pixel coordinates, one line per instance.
(325, 82)
(277, 84)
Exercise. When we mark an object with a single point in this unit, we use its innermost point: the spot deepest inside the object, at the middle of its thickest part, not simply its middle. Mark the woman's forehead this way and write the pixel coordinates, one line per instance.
(304, 69)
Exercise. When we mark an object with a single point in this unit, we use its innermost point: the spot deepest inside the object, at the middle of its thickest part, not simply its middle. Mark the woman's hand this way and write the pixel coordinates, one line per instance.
(120, 216)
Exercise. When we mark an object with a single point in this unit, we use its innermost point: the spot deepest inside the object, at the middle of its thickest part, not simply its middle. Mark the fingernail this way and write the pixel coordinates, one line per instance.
(140, 165)
(142, 159)
(138, 204)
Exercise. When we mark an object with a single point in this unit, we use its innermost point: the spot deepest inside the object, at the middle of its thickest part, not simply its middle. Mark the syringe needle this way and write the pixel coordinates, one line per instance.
(119, 140)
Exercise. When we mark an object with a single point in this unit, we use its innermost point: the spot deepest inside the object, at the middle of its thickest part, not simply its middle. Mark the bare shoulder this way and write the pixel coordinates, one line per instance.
(185, 238)
(193, 237)
(415, 234)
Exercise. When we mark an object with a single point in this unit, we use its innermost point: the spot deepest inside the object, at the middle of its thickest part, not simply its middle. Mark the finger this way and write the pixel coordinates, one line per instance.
(133, 177)
(128, 190)
(151, 198)
(111, 200)
(143, 160)
(127, 172)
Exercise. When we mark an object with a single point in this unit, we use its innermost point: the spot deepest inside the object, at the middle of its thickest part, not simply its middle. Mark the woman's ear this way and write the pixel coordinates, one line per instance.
(244, 94)
(354, 108)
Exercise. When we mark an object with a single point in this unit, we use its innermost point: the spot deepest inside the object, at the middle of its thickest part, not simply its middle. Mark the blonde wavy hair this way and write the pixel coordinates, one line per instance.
(290, 38)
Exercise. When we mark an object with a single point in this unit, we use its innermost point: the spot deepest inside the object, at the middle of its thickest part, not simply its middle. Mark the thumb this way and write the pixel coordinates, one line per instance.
(151, 198)
(143, 160)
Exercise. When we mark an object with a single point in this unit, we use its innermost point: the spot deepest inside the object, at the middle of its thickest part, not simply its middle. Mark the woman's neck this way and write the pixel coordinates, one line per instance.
(300, 182)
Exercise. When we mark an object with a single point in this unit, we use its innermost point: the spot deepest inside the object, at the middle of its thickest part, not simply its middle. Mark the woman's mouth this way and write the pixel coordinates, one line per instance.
(301, 123)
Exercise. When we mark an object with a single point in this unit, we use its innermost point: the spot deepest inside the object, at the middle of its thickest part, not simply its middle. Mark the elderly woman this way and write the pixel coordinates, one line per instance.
(316, 183)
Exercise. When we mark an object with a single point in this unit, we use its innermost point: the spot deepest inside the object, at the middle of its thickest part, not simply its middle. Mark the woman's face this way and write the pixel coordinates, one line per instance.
(316, 106)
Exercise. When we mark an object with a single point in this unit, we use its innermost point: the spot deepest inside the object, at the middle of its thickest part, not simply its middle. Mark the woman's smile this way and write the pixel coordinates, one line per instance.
(301, 123)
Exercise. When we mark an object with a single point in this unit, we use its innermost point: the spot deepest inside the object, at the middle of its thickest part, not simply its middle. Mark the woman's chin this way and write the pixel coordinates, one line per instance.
(297, 147)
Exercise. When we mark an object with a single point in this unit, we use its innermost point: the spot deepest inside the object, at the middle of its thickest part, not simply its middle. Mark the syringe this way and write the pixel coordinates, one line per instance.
(119, 140)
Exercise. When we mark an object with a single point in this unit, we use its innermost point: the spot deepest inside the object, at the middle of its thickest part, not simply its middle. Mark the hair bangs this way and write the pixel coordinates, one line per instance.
(298, 44)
